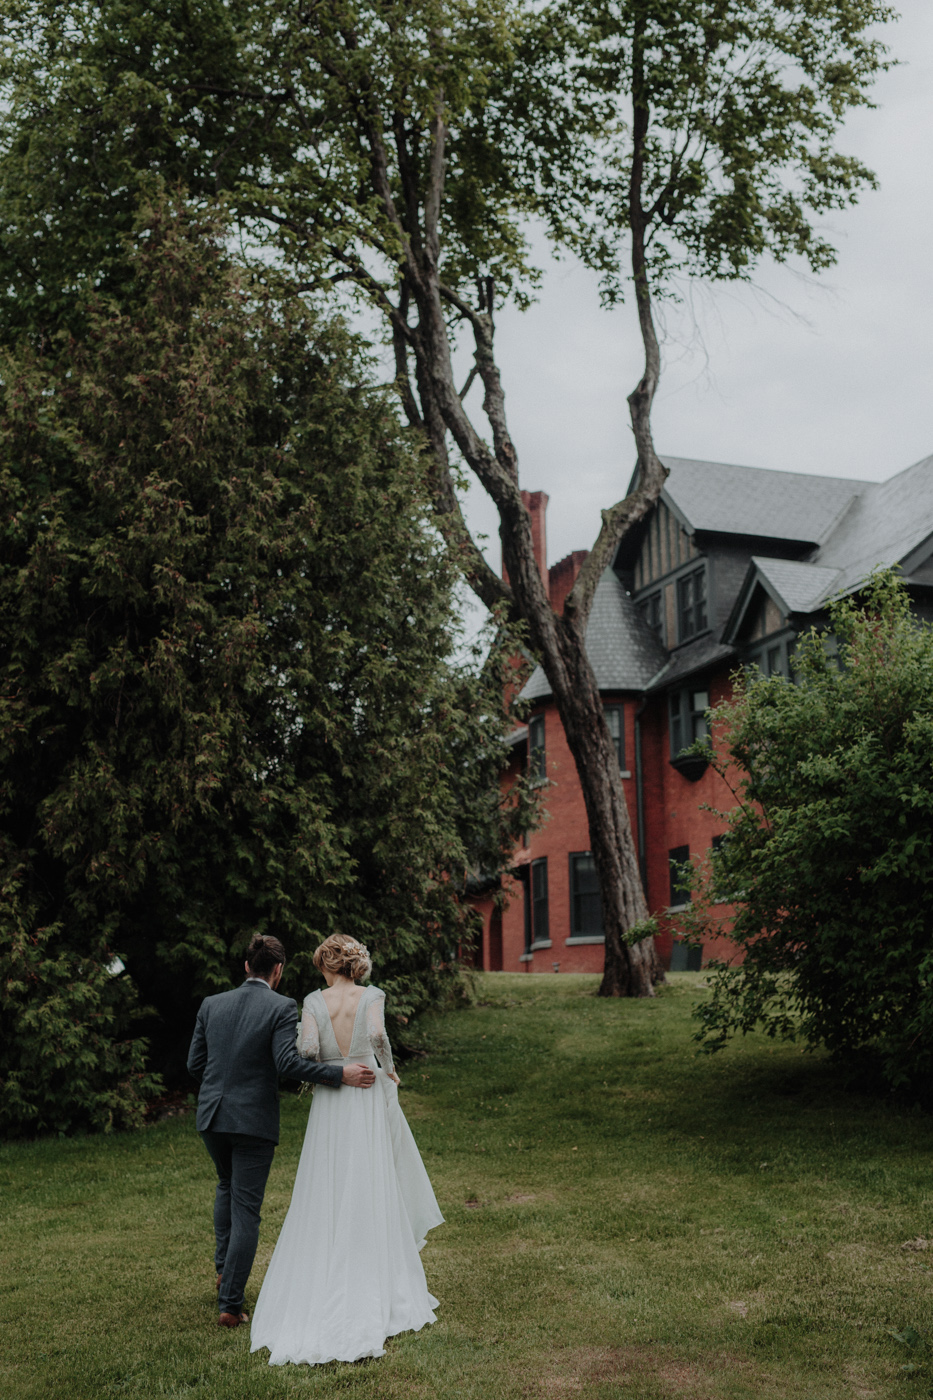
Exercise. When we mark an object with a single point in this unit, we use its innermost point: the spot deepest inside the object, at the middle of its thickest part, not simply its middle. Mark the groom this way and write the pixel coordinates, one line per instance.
(242, 1042)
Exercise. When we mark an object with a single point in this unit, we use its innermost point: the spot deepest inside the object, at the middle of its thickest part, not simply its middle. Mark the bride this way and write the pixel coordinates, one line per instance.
(346, 1272)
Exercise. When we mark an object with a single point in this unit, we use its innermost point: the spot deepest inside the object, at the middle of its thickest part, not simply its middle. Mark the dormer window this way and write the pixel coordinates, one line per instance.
(691, 604)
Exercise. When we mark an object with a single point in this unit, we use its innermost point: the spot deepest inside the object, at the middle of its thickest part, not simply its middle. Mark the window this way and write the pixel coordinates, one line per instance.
(540, 923)
(676, 859)
(722, 887)
(688, 718)
(773, 660)
(615, 722)
(586, 906)
(537, 758)
(650, 609)
(691, 603)
(684, 956)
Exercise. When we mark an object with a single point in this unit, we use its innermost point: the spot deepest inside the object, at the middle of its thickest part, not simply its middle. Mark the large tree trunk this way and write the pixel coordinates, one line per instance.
(559, 641)
(629, 969)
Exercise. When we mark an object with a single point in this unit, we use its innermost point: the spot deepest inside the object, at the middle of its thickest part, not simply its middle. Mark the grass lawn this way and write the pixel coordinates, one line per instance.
(623, 1219)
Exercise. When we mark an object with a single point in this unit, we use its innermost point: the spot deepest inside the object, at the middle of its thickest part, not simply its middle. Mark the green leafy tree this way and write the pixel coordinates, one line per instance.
(228, 698)
(398, 148)
(829, 854)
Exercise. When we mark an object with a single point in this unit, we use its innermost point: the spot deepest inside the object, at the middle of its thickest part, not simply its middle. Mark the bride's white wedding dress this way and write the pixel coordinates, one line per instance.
(346, 1272)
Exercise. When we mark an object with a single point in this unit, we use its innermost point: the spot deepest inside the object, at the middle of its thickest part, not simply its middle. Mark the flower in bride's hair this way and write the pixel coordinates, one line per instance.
(343, 955)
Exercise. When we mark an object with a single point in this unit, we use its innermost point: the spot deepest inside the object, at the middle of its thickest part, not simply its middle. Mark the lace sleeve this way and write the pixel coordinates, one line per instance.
(309, 1041)
(376, 1028)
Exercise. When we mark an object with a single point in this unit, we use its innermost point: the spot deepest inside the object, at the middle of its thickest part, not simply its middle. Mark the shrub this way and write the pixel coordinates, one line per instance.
(830, 850)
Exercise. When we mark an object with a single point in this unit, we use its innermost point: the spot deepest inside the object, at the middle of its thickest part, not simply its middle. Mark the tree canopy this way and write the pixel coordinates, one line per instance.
(229, 700)
(829, 852)
(398, 149)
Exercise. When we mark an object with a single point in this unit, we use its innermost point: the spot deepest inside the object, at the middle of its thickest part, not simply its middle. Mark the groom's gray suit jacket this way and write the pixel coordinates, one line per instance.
(242, 1042)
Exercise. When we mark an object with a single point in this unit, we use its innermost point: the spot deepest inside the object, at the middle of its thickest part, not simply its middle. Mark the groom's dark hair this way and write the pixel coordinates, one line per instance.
(263, 954)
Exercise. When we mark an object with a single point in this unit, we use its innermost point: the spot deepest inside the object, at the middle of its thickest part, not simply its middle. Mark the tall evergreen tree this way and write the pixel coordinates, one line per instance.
(228, 699)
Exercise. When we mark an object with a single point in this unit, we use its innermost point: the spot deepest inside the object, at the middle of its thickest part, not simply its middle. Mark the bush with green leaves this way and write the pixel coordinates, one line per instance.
(829, 852)
(229, 696)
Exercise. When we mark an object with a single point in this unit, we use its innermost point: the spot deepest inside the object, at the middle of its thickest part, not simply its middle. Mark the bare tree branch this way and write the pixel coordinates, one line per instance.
(469, 381)
(432, 199)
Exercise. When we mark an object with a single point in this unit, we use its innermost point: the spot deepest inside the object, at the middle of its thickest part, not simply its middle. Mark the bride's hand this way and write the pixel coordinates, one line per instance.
(393, 1076)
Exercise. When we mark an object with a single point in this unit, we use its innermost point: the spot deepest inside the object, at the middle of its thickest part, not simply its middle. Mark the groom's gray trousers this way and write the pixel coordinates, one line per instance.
(242, 1042)
(242, 1163)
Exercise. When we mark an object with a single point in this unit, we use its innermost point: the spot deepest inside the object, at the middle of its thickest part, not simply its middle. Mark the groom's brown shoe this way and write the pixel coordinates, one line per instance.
(232, 1319)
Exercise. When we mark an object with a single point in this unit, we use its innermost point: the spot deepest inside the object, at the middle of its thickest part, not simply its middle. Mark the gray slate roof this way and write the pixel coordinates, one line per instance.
(887, 522)
(623, 651)
(799, 587)
(717, 496)
(687, 660)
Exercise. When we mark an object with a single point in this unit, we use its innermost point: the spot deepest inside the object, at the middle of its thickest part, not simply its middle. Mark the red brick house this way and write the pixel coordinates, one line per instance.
(726, 570)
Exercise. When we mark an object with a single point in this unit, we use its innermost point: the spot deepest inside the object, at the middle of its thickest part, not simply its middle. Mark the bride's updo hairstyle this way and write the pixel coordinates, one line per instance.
(344, 957)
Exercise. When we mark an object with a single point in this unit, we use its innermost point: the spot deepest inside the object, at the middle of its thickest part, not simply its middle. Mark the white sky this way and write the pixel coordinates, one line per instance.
(834, 376)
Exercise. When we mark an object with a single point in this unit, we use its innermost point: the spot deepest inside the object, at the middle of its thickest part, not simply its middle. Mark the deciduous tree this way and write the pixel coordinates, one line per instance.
(399, 147)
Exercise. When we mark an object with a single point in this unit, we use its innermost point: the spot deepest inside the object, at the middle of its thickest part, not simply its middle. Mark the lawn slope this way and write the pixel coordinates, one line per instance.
(624, 1218)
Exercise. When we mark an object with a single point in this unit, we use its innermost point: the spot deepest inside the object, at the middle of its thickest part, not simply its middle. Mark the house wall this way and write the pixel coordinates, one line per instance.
(565, 830)
(674, 814)
(673, 817)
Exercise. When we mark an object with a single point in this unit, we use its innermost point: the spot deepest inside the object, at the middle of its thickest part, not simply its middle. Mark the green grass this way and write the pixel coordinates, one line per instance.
(623, 1219)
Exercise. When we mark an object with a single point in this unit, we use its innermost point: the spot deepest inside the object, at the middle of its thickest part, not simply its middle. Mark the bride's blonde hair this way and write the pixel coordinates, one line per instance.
(344, 957)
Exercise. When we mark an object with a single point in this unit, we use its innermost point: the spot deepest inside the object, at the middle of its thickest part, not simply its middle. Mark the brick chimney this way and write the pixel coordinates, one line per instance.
(563, 575)
(559, 579)
(535, 502)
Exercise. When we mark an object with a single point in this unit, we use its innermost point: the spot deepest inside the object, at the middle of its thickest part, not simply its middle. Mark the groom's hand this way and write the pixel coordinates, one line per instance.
(360, 1076)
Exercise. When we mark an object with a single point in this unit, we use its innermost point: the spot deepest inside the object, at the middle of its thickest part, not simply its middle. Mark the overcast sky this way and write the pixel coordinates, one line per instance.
(841, 383)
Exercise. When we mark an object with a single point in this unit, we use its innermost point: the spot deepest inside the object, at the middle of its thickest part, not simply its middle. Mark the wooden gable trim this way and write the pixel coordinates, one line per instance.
(666, 545)
(757, 603)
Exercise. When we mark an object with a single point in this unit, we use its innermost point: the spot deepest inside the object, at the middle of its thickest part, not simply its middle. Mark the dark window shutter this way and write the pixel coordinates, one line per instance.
(676, 858)
(539, 901)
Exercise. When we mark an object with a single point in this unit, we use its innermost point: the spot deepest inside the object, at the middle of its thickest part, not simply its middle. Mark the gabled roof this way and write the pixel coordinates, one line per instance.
(797, 588)
(886, 525)
(888, 522)
(623, 651)
(726, 499)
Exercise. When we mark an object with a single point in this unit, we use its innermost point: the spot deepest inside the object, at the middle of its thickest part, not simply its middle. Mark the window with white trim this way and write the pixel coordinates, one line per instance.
(586, 905)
